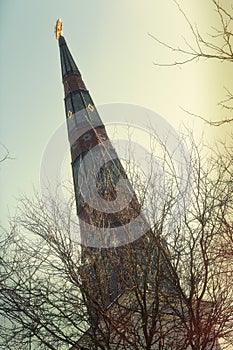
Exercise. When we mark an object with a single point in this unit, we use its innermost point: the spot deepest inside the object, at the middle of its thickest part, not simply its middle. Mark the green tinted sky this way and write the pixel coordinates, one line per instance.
(110, 43)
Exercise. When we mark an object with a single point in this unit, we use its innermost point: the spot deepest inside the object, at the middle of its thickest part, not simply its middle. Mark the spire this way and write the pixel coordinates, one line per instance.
(81, 114)
(67, 62)
(97, 173)
(68, 65)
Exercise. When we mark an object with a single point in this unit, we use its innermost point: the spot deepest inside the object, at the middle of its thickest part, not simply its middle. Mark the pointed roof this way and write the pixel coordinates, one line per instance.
(68, 64)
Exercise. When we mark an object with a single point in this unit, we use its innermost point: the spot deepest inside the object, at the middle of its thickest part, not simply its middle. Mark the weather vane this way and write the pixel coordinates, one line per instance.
(58, 28)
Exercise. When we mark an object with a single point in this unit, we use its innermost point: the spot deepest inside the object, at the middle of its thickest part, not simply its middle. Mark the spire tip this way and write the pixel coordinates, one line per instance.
(58, 28)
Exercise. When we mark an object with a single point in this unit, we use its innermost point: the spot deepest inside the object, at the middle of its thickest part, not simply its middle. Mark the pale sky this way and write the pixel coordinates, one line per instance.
(110, 43)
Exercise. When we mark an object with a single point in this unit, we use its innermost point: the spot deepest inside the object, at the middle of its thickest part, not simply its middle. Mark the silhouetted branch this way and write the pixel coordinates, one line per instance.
(218, 47)
(7, 154)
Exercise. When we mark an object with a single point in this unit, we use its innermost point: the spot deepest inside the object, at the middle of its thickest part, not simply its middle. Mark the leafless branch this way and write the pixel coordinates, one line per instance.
(48, 295)
(210, 122)
(7, 154)
(218, 47)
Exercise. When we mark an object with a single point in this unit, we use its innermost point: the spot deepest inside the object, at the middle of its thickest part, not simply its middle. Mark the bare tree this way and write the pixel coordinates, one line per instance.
(216, 45)
(176, 279)
(39, 291)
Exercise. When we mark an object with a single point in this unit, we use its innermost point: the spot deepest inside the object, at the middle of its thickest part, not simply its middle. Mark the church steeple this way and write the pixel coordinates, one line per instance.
(104, 274)
(87, 133)
(87, 136)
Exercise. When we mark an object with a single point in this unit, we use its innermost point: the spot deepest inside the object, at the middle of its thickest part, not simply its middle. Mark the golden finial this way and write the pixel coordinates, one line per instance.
(58, 28)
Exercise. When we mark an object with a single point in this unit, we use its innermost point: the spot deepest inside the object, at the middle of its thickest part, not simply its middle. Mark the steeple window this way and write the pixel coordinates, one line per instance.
(93, 115)
(102, 137)
(70, 115)
(77, 101)
(87, 137)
